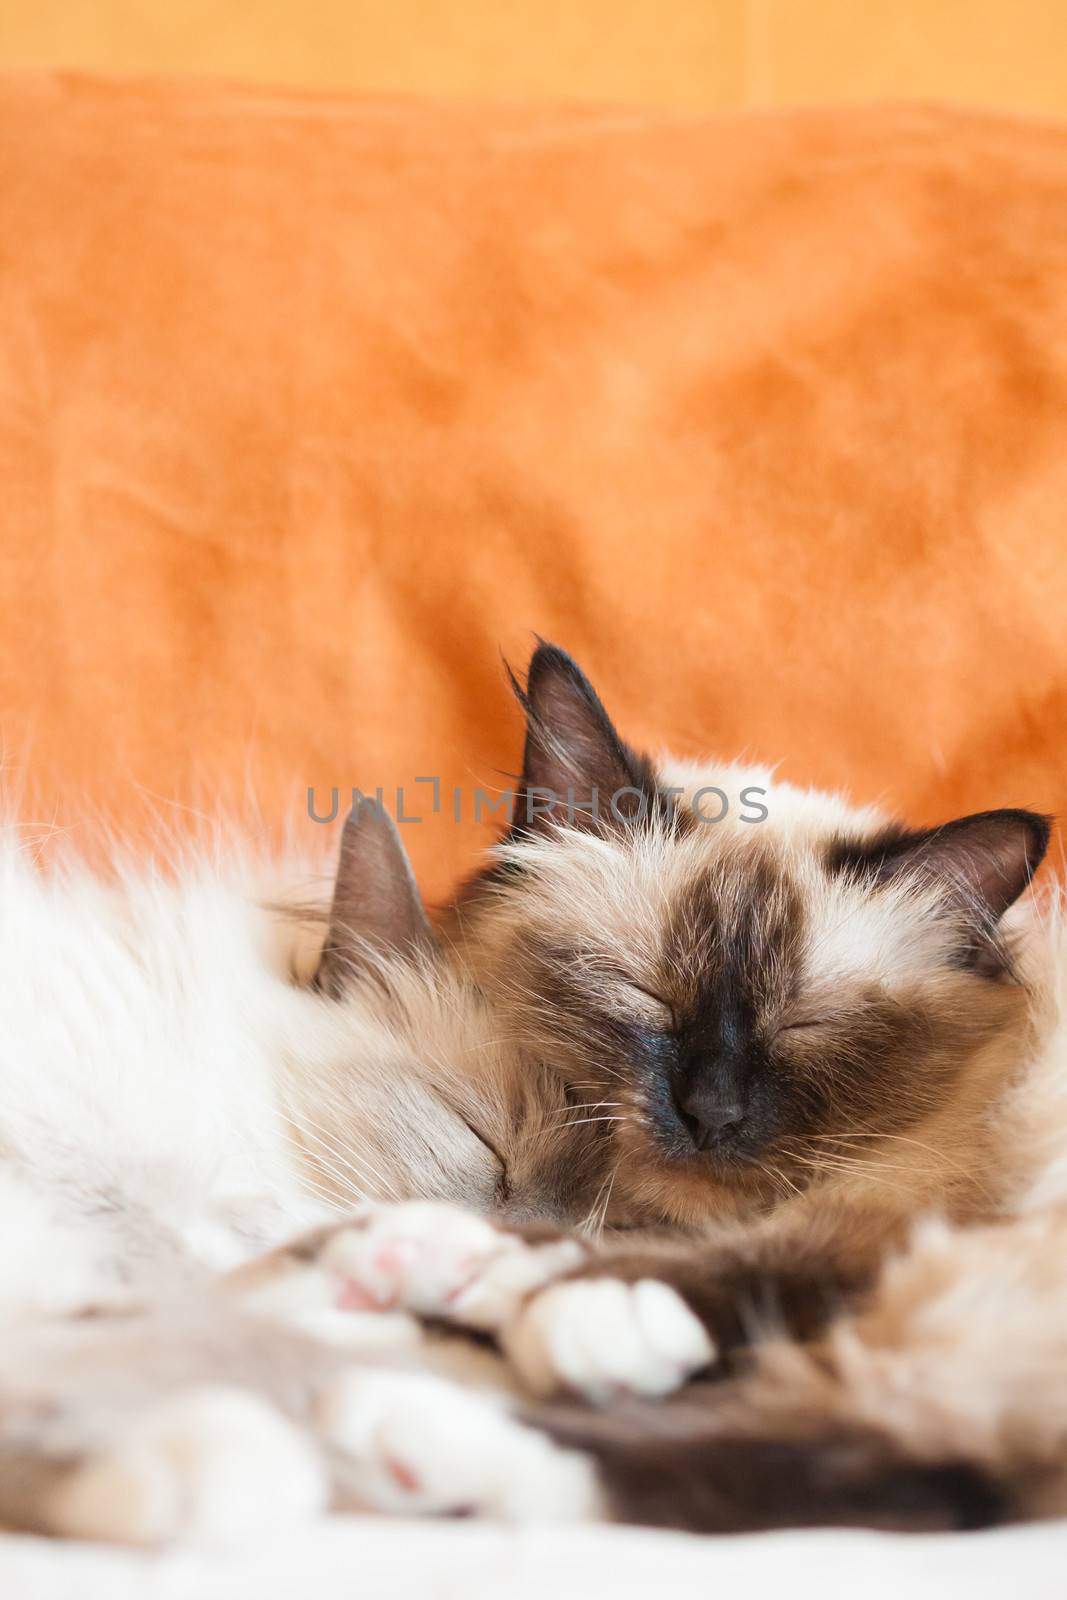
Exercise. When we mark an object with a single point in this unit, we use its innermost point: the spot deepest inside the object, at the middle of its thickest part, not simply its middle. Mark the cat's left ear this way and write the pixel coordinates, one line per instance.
(576, 770)
(376, 903)
(982, 863)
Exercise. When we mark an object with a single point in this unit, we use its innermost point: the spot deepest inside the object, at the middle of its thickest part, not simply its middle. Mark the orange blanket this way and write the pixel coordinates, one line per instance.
(309, 407)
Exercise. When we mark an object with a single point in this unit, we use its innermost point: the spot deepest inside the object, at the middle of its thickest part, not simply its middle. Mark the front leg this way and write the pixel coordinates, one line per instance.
(425, 1257)
(595, 1339)
(735, 1291)
(573, 1317)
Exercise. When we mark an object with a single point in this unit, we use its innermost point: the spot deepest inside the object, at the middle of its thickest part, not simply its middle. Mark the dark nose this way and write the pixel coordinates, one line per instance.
(710, 1119)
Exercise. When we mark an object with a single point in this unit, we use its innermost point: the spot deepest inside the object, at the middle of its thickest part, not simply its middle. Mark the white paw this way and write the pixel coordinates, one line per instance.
(418, 1257)
(425, 1257)
(601, 1338)
(493, 1296)
(414, 1443)
(209, 1465)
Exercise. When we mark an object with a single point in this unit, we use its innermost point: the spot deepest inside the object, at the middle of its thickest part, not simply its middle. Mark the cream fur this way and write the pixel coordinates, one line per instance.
(963, 1349)
(609, 898)
(171, 1103)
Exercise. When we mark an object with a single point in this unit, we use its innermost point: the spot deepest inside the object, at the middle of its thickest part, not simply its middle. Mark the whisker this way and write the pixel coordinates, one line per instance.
(593, 1224)
(332, 1161)
(898, 1138)
(577, 1122)
(849, 1168)
(775, 1171)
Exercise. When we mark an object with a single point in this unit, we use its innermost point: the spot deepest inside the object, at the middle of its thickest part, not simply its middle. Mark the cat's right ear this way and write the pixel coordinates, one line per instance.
(575, 768)
(376, 906)
(979, 865)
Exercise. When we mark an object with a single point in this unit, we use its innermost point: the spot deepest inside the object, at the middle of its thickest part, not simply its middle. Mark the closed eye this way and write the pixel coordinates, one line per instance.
(651, 1008)
(805, 1022)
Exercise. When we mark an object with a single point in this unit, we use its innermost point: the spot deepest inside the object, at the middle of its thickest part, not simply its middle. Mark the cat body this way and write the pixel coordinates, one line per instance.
(797, 1031)
(193, 1070)
(178, 1093)
(833, 1048)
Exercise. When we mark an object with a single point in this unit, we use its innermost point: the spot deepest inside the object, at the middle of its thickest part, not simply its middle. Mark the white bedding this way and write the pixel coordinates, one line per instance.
(374, 1559)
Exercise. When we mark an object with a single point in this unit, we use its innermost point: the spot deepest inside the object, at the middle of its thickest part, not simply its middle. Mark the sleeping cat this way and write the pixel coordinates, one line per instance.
(172, 1102)
(182, 1085)
(794, 1030)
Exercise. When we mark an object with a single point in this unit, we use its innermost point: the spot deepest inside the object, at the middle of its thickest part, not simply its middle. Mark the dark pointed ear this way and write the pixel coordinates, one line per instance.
(982, 862)
(575, 768)
(376, 902)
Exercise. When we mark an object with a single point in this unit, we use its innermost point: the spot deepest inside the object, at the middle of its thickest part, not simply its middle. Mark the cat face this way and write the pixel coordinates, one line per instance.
(737, 1008)
(443, 1106)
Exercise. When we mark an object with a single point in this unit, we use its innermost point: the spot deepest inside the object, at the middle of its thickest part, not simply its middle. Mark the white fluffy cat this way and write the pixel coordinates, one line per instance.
(189, 1078)
(173, 1102)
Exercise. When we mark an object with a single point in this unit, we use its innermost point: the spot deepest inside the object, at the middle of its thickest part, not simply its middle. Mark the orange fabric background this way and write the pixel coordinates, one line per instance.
(692, 55)
(310, 406)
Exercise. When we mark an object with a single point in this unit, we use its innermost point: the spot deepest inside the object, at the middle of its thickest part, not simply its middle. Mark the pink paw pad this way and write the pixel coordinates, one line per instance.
(465, 1271)
(394, 1259)
(353, 1296)
(404, 1476)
